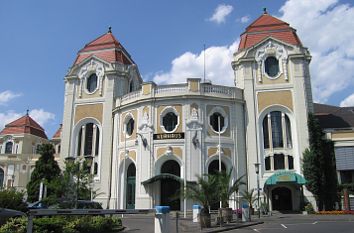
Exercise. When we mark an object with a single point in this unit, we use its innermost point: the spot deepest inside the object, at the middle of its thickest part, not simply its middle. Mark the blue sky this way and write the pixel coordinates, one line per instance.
(39, 41)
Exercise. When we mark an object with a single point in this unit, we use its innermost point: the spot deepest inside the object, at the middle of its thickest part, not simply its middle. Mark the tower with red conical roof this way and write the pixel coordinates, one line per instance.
(272, 67)
(102, 72)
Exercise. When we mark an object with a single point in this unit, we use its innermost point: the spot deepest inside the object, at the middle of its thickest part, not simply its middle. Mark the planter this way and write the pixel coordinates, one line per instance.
(204, 219)
(226, 214)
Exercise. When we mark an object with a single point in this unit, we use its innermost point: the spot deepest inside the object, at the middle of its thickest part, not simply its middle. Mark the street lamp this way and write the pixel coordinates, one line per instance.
(256, 165)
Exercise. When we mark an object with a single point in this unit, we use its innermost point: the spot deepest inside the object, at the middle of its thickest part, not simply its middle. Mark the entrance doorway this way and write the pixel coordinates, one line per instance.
(281, 199)
(170, 188)
(213, 169)
(130, 197)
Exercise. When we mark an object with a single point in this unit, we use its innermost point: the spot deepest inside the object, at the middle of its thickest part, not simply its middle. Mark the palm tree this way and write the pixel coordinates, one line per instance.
(250, 197)
(224, 189)
(205, 192)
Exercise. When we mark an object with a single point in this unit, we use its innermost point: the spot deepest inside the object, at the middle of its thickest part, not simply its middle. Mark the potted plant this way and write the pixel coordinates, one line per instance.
(250, 197)
(204, 192)
(226, 191)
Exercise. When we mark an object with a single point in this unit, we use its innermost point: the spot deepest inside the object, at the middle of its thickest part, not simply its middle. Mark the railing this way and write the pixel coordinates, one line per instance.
(182, 89)
(216, 89)
(173, 88)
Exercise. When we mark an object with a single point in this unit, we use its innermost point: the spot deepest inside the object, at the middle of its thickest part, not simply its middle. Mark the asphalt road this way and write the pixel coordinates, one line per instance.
(303, 224)
(286, 223)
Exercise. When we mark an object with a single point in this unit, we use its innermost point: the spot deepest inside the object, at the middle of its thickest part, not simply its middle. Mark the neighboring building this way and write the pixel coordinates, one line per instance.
(338, 125)
(19, 141)
(142, 135)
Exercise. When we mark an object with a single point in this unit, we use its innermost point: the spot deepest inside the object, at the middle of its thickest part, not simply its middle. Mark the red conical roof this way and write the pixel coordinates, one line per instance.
(58, 132)
(268, 26)
(107, 48)
(23, 125)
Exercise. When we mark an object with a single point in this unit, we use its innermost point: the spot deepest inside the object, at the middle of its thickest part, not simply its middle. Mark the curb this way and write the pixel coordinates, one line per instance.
(228, 228)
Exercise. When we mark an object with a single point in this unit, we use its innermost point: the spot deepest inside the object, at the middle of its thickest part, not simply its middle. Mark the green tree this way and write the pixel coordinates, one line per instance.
(319, 167)
(46, 169)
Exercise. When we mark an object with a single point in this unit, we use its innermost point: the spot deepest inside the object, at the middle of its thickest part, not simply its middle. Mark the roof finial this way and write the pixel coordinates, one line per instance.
(109, 29)
(265, 11)
(27, 112)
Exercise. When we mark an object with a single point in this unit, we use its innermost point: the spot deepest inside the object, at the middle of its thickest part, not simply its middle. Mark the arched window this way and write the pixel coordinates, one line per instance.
(8, 147)
(214, 121)
(170, 121)
(88, 140)
(214, 167)
(280, 127)
(131, 86)
(271, 66)
(91, 84)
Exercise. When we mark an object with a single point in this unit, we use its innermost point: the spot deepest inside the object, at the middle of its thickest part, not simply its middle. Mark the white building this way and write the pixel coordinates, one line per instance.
(142, 135)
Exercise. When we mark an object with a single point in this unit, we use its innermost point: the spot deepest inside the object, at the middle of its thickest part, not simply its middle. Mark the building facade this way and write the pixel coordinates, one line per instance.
(19, 142)
(142, 135)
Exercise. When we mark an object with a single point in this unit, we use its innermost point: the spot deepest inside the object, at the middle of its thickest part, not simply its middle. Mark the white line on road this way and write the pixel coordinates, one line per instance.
(283, 226)
(314, 223)
(256, 230)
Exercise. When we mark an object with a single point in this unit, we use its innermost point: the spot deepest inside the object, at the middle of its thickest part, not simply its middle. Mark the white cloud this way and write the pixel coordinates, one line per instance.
(348, 102)
(8, 117)
(189, 65)
(245, 19)
(6, 96)
(220, 13)
(41, 116)
(326, 27)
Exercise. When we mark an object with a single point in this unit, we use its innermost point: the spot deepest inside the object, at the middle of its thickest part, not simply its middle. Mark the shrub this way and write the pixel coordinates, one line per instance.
(12, 199)
(64, 224)
(309, 208)
(15, 225)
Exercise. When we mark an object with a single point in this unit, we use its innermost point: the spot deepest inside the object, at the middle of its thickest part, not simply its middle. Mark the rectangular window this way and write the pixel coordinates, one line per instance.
(277, 131)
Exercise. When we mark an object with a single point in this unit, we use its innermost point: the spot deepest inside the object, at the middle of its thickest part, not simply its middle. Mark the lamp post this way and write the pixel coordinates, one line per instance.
(256, 165)
(219, 149)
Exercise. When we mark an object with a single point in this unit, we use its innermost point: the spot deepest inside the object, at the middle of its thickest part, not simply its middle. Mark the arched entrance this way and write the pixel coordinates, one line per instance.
(130, 195)
(1, 178)
(213, 169)
(281, 199)
(170, 188)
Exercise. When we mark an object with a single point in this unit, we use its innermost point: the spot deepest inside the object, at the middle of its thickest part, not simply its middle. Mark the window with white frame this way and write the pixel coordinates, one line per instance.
(8, 147)
(169, 120)
(92, 83)
(88, 140)
(278, 161)
(276, 130)
(129, 126)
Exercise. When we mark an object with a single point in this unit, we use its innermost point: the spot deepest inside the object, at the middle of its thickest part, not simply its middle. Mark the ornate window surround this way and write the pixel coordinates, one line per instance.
(92, 67)
(166, 110)
(127, 117)
(223, 113)
(271, 49)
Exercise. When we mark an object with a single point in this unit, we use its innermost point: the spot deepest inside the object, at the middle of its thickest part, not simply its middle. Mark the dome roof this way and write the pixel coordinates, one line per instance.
(107, 48)
(24, 125)
(268, 26)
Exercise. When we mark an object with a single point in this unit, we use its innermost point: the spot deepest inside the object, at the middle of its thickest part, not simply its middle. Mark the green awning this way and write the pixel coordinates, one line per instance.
(162, 176)
(285, 177)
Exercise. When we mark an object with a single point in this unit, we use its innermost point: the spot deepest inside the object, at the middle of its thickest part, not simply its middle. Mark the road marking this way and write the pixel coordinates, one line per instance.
(314, 223)
(283, 226)
(256, 230)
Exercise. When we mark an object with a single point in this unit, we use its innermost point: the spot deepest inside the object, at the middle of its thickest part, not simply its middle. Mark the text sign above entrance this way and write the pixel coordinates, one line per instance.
(166, 136)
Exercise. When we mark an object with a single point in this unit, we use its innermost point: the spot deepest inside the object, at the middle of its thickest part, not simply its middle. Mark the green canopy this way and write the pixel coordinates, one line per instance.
(285, 177)
(162, 176)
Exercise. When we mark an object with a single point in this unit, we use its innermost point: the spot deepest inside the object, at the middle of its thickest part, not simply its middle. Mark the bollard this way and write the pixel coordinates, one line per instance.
(245, 213)
(196, 213)
(162, 219)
